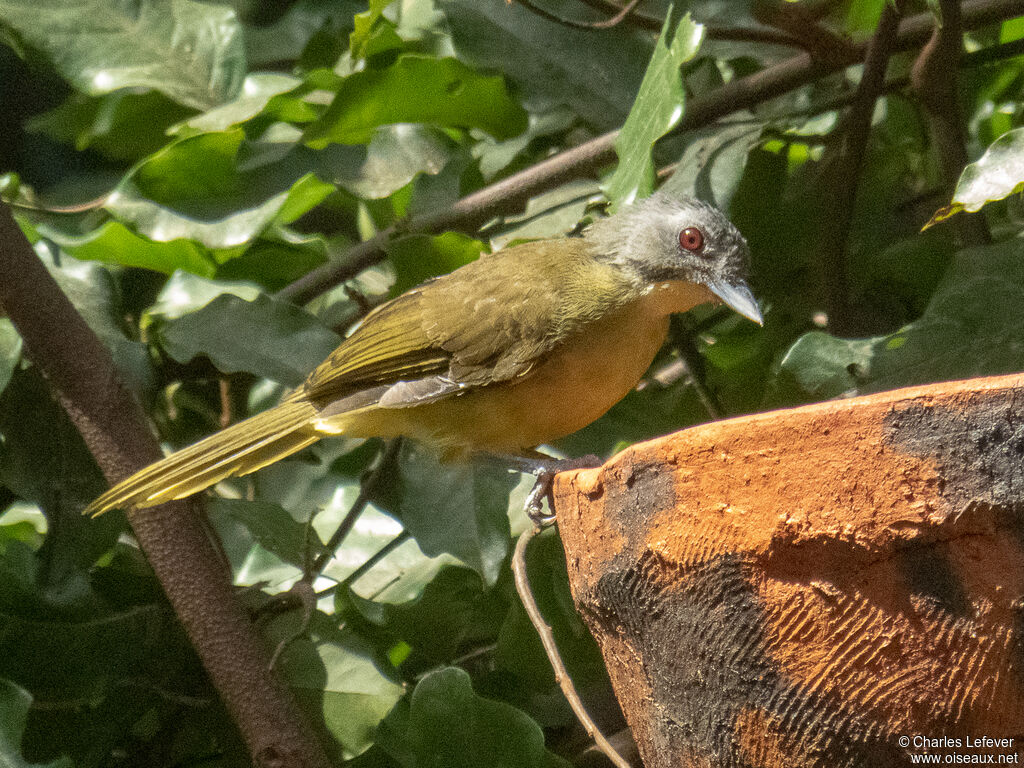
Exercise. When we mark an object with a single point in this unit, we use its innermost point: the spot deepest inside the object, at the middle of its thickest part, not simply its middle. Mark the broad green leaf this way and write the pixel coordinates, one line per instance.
(550, 214)
(333, 672)
(495, 156)
(997, 174)
(594, 72)
(417, 89)
(257, 90)
(657, 109)
(190, 51)
(10, 351)
(970, 328)
(417, 258)
(264, 336)
(862, 16)
(364, 23)
(195, 189)
(113, 243)
(711, 166)
(312, 31)
(820, 367)
(521, 654)
(14, 706)
(272, 528)
(185, 293)
(458, 508)
(124, 126)
(92, 290)
(447, 725)
(43, 460)
(396, 155)
(437, 623)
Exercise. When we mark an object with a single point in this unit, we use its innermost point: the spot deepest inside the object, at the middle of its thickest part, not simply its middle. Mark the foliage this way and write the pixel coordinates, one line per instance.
(175, 164)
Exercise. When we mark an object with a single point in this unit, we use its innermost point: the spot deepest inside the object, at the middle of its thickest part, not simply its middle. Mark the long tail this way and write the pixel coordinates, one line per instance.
(241, 448)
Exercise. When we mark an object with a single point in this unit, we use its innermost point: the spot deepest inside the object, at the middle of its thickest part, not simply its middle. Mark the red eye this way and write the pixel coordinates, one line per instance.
(691, 239)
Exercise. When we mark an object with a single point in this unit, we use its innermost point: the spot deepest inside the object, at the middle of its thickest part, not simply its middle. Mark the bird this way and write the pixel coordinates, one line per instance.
(506, 353)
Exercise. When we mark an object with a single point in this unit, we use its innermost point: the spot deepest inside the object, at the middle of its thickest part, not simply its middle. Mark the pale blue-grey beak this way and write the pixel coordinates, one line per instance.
(738, 297)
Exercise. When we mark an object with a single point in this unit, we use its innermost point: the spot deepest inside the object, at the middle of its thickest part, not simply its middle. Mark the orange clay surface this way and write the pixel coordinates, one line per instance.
(804, 586)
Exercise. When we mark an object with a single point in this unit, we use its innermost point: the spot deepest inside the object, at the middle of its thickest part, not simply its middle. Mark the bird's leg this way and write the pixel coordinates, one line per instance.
(543, 468)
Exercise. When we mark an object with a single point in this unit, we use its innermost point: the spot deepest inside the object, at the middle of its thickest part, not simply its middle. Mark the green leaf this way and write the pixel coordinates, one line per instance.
(970, 328)
(14, 706)
(447, 725)
(256, 92)
(92, 290)
(194, 189)
(549, 214)
(657, 109)
(113, 243)
(395, 156)
(186, 293)
(189, 51)
(820, 367)
(711, 166)
(521, 655)
(594, 72)
(417, 89)
(364, 23)
(10, 351)
(997, 174)
(272, 528)
(435, 625)
(123, 126)
(263, 336)
(307, 30)
(333, 673)
(417, 258)
(458, 508)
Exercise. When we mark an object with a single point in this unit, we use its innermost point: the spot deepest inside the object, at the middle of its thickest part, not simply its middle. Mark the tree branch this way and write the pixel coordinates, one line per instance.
(547, 639)
(840, 172)
(933, 78)
(510, 194)
(712, 30)
(82, 373)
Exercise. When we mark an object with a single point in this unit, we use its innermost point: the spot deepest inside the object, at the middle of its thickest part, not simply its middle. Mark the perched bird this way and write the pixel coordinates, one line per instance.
(515, 349)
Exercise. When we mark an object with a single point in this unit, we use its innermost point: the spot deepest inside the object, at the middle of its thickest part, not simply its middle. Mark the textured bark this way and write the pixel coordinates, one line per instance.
(83, 376)
(804, 587)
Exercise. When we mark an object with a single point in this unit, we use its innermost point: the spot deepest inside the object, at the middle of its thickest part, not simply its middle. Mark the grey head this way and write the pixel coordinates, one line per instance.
(663, 238)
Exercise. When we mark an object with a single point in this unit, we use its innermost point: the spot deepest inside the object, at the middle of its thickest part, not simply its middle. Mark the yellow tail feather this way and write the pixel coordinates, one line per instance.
(241, 448)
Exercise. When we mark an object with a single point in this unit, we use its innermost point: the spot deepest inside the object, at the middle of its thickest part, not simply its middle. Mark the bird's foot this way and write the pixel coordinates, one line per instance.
(544, 470)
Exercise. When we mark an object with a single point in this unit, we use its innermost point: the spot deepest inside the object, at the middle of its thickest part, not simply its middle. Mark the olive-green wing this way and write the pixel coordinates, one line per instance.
(510, 309)
(390, 345)
(489, 321)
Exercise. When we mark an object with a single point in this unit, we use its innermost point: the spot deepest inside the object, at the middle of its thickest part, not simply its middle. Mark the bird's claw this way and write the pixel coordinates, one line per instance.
(542, 488)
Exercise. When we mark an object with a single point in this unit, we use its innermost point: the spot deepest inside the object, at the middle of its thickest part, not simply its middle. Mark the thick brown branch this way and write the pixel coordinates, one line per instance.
(83, 375)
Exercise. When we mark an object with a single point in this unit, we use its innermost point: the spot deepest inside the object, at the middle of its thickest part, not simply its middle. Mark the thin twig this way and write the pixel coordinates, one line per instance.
(621, 14)
(370, 562)
(358, 506)
(712, 30)
(547, 639)
(224, 386)
(511, 193)
(681, 336)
